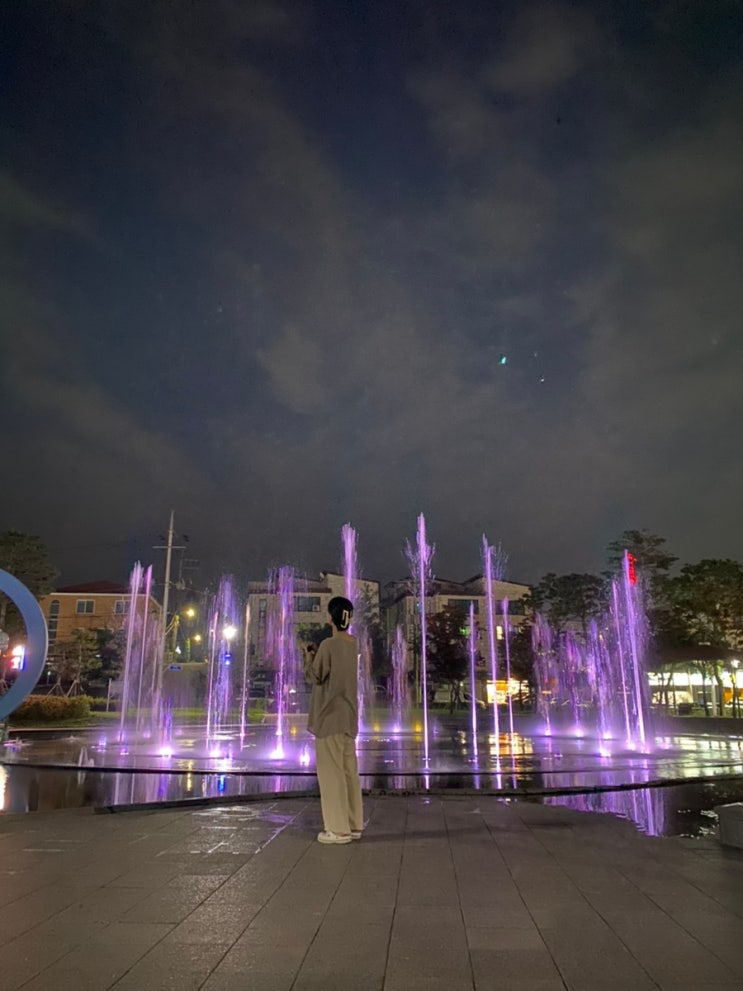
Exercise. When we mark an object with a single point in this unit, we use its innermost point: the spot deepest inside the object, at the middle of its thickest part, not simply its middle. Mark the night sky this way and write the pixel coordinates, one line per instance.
(279, 266)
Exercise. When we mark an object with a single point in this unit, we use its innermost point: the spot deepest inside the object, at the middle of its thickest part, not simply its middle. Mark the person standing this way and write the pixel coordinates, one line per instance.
(334, 722)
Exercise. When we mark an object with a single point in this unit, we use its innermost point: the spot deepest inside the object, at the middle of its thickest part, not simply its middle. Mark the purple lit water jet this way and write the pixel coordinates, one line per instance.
(507, 644)
(283, 650)
(473, 677)
(142, 660)
(246, 680)
(359, 627)
(598, 678)
(493, 568)
(400, 695)
(222, 632)
(420, 558)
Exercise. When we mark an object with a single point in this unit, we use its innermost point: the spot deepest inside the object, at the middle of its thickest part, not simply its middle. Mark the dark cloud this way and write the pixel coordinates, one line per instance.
(271, 335)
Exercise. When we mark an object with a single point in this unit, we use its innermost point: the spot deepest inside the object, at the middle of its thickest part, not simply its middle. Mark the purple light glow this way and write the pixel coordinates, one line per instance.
(420, 560)
(400, 688)
(142, 659)
(597, 678)
(473, 677)
(488, 555)
(220, 690)
(359, 628)
(282, 647)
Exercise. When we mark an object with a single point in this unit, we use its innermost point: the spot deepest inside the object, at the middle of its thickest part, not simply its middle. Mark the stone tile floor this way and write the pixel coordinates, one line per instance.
(441, 893)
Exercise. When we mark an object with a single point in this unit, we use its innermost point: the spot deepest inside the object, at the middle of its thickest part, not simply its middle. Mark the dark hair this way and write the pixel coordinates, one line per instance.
(341, 611)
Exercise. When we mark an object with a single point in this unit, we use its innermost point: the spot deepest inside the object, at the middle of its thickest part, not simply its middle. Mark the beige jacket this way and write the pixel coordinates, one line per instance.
(333, 674)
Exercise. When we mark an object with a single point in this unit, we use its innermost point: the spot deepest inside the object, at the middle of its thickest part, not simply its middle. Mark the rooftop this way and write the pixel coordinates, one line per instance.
(101, 588)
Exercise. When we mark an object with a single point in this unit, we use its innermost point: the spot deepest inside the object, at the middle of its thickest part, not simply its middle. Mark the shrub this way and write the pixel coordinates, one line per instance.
(97, 704)
(51, 709)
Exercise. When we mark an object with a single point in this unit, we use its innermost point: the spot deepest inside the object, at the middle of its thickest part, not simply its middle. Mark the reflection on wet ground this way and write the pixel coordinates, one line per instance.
(43, 771)
(672, 810)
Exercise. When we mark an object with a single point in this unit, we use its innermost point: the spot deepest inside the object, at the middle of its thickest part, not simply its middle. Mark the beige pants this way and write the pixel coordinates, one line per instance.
(340, 787)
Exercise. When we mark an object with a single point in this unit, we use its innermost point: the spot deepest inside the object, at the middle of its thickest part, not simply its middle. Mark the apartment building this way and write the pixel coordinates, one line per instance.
(309, 606)
(89, 606)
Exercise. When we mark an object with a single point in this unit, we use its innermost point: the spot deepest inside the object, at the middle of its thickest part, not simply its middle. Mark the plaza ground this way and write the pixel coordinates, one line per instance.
(441, 893)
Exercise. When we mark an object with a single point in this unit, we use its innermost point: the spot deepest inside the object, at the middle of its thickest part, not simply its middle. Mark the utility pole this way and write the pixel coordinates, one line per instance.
(168, 548)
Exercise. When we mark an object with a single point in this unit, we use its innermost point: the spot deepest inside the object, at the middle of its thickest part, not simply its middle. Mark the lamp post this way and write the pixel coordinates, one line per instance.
(736, 701)
(228, 635)
(196, 638)
(189, 614)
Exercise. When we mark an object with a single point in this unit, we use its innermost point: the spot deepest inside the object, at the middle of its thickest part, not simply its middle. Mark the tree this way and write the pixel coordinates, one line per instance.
(447, 650)
(367, 611)
(707, 603)
(569, 598)
(706, 612)
(652, 562)
(74, 661)
(26, 558)
(313, 633)
(111, 650)
(522, 659)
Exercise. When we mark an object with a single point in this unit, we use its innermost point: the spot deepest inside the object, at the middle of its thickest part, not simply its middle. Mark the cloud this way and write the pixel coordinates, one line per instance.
(295, 367)
(544, 46)
(663, 349)
(329, 349)
(21, 207)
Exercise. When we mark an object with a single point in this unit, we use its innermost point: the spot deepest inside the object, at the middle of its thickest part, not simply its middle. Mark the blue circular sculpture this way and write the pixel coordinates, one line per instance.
(36, 643)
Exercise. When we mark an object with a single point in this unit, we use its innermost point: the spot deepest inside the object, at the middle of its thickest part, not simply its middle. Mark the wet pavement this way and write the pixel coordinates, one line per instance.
(442, 893)
(688, 774)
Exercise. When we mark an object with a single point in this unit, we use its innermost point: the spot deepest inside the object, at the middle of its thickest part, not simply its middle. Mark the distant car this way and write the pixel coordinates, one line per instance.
(479, 703)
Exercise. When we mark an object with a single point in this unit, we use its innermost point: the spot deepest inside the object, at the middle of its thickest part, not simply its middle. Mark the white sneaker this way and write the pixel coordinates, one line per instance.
(355, 834)
(327, 836)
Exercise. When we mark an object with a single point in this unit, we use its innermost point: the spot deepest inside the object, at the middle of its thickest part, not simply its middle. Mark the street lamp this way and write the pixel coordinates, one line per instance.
(228, 635)
(195, 640)
(189, 614)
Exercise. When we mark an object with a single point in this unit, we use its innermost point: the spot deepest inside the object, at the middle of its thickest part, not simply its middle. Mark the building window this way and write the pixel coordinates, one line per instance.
(307, 603)
(464, 605)
(121, 607)
(53, 619)
(85, 607)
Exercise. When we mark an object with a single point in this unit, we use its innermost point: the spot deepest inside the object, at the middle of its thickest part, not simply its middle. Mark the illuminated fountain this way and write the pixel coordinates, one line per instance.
(420, 556)
(597, 685)
(591, 732)
(359, 627)
(220, 691)
(283, 652)
(141, 710)
(472, 644)
(400, 693)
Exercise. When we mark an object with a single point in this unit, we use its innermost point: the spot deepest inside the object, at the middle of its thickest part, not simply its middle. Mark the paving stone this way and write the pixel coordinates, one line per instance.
(27, 956)
(455, 894)
(258, 963)
(345, 957)
(172, 966)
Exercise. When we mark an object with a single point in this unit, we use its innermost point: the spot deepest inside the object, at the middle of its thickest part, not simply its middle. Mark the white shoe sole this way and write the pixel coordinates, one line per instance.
(332, 838)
